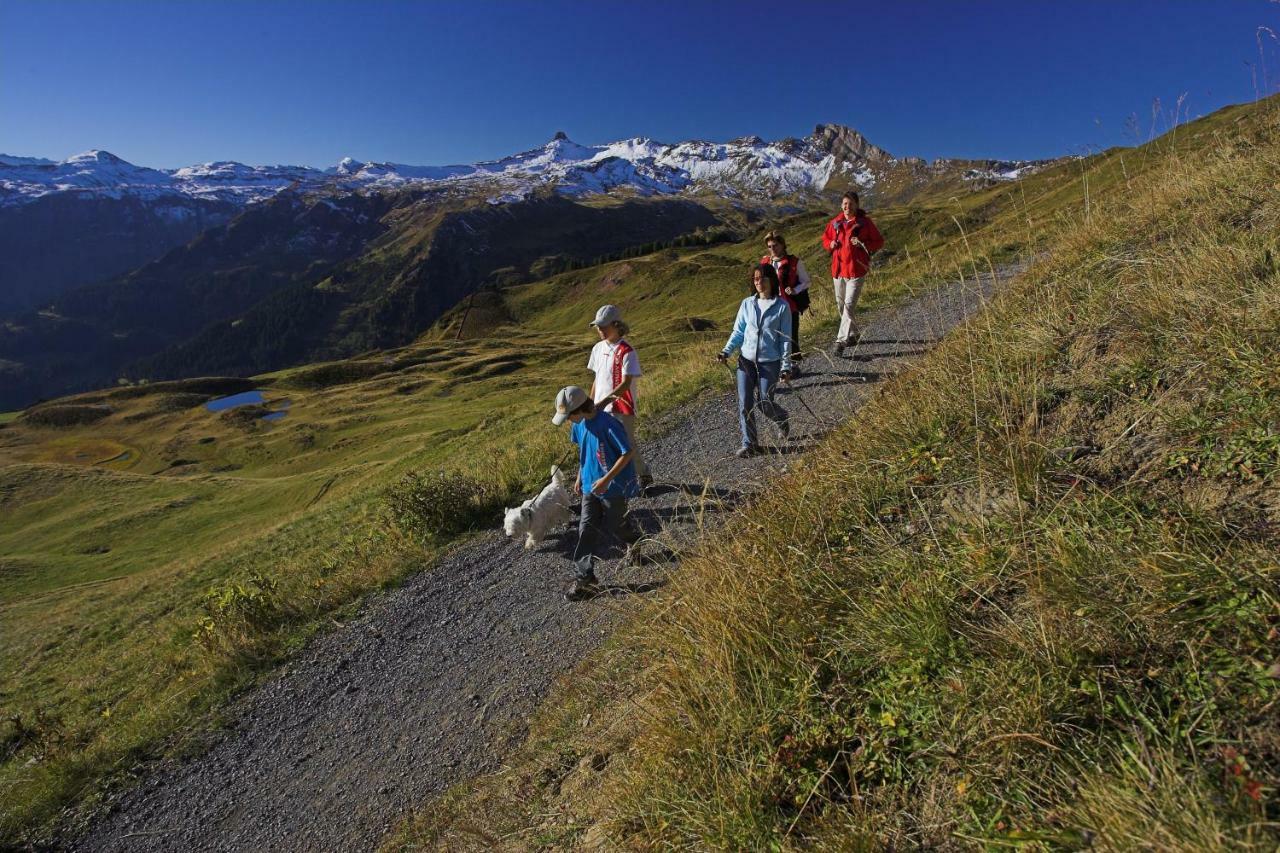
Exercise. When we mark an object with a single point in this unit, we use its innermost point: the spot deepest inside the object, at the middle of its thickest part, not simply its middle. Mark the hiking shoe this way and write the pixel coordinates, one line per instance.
(582, 589)
(839, 348)
(745, 452)
(784, 427)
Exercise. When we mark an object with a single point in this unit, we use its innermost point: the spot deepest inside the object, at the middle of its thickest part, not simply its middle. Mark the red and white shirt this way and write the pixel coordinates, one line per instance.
(610, 363)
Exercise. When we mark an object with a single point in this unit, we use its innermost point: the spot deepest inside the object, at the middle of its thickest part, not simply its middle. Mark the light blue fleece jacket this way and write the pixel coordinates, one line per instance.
(762, 335)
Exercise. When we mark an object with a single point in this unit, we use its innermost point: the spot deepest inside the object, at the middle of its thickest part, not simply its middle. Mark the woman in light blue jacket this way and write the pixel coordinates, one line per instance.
(762, 332)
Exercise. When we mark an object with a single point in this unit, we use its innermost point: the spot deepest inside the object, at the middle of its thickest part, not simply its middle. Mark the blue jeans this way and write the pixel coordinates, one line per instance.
(757, 379)
(601, 517)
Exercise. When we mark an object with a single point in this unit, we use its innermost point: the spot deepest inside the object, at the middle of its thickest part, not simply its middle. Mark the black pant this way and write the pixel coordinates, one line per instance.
(795, 335)
(601, 517)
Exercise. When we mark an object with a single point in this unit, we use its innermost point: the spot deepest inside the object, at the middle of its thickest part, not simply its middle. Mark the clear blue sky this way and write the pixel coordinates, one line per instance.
(173, 83)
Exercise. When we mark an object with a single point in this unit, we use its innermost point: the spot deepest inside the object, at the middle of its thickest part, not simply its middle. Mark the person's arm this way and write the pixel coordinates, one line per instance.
(738, 336)
(802, 276)
(601, 485)
(829, 237)
(617, 437)
(617, 392)
(784, 332)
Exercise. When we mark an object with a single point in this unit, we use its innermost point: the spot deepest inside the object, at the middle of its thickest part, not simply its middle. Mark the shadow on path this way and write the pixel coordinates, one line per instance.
(696, 490)
(872, 356)
(897, 341)
(837, 379)
(617, 590)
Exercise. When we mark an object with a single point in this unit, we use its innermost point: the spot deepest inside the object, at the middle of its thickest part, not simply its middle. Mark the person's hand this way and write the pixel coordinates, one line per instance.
(722, 357)
(599, 486)
(790, 291)
(577, 485)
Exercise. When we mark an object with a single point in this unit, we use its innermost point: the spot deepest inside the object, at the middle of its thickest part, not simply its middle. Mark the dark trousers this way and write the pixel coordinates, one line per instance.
(601, 518)
(795, 336)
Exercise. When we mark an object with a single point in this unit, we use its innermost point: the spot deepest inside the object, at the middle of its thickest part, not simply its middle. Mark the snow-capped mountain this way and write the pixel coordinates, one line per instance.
(742, 168)
(101, 174)
(11, 160)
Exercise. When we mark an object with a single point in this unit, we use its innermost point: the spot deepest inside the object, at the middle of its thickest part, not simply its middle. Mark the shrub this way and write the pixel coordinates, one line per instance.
(236, 611)
(438, 504)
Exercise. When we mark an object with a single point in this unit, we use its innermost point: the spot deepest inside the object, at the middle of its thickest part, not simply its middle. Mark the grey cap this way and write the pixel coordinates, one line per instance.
(570, 399)
(606, 315)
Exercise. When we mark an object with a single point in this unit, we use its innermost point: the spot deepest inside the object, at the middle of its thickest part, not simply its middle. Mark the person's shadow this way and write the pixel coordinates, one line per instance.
(618, 590)
(785, 450)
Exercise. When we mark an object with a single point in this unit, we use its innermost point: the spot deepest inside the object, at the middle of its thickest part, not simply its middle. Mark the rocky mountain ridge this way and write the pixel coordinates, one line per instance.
(740, 168)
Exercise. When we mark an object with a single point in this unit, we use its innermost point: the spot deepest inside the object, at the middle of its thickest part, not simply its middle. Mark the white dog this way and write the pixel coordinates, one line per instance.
(538, 515)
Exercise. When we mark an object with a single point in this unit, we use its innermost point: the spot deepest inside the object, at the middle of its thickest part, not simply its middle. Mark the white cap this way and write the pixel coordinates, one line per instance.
(606, 315)
(570, 399)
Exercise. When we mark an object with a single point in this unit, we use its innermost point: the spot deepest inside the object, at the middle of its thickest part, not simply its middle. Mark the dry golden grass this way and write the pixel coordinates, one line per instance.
(1028, 597)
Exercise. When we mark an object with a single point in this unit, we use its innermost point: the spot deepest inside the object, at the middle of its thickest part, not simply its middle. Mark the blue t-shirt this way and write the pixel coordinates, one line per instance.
(601, 440)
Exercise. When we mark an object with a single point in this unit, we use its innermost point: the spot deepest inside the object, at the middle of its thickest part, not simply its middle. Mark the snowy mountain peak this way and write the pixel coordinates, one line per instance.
(348, 166)
(95, 156)
(748, 168)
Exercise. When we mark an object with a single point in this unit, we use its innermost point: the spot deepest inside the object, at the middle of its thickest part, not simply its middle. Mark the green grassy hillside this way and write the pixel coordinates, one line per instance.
(163, 556)
(1029, 597)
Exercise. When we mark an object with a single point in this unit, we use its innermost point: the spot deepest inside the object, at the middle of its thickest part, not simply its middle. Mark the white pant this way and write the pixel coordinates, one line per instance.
(847, 292)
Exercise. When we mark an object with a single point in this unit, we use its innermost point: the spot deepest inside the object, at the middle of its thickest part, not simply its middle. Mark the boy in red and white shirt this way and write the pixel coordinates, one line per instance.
(616, 367)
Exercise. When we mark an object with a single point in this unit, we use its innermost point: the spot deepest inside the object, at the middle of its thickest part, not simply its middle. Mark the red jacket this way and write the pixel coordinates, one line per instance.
(788, 273)
(851, 244)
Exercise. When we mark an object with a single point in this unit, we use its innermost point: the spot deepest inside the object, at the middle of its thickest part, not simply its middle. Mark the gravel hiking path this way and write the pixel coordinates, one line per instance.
(432, 683)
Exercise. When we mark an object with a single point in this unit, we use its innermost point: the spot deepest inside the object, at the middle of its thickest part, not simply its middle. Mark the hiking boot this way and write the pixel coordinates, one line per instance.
(582, 589)
(745, 452)
(839, 348)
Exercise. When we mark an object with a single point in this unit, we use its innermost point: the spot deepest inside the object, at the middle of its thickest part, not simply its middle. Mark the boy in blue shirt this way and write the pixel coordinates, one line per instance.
(606, 478)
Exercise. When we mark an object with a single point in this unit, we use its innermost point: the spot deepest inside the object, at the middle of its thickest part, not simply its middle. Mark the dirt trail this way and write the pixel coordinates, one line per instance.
(432, 682)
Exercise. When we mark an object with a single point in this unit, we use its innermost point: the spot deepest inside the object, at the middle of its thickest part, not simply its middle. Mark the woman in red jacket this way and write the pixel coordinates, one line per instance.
(852, 239)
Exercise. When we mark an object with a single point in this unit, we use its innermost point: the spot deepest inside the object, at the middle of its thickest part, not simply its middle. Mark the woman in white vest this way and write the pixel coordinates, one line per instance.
(616, 367)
